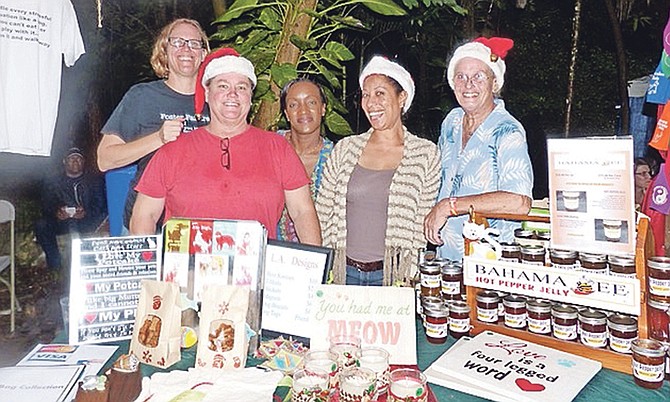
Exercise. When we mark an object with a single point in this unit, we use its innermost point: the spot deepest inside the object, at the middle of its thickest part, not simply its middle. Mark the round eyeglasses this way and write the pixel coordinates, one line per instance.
(193, 44)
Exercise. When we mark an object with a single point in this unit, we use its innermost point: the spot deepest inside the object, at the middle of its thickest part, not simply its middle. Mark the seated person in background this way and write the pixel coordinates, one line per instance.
(304, 105)
(72, 202)
(642, 180)
(227, 169)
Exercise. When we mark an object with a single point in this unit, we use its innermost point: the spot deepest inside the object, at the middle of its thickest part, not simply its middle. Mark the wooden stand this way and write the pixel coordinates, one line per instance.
(608, 358)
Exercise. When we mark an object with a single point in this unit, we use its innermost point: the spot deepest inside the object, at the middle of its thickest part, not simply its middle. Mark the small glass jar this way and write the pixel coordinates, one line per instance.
(543, 235)
(459, 319)
(563, 259)
(522, 235)
(511, 252)
(658, 278)
(593, 328)
(658, 320)
(430, 278)
(622, 266)
(437, 324)
(416, 284)
(564, 322)
(487, 306)
(648, 363)
(452, 281)
(501, 306)
(515, 311)
(593, 263)
(533, 254)
(539, 316)
(622, 331)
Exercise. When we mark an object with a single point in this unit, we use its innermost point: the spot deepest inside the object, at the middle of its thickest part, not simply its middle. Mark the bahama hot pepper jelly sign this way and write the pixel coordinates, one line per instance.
(105, 285)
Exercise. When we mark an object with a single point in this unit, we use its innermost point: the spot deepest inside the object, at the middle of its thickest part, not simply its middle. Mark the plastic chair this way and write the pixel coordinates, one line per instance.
(8, 215)
(118, 185)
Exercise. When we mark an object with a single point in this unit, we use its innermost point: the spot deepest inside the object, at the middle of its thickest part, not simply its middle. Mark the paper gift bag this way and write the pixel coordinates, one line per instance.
(222, 342)
(157, 331)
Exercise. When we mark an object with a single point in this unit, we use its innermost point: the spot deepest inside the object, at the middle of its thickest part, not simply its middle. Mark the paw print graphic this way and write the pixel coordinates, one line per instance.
(223, 308)
(146, 356)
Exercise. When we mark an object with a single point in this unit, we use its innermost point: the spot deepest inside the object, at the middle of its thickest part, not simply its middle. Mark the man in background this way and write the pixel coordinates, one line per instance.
(74, 201)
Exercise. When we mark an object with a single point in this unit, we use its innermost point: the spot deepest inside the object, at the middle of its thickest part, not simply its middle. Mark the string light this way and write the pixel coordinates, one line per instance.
(99, 4)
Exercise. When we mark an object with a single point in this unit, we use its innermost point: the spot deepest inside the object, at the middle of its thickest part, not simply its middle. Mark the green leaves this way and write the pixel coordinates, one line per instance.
(383, 7)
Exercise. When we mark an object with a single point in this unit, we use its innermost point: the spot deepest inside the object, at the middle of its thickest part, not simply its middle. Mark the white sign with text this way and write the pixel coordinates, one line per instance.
(380, 316)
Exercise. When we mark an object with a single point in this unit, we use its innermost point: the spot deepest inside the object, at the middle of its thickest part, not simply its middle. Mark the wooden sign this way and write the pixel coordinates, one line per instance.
(380, 316)
(105, 285)
(292, 271)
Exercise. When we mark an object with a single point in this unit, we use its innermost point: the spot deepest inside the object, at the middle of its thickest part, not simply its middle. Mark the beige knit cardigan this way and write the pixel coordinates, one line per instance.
(412, 194)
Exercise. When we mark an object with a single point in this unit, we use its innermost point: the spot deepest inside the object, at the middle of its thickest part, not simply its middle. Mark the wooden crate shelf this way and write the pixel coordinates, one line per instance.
(609, 359)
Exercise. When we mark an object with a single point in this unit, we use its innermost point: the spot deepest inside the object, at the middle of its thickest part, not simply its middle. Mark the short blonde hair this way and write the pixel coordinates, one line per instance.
(159, 60)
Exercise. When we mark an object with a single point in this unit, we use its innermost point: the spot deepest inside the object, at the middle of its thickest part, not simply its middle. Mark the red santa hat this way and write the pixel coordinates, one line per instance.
(491, 51)
(220, 61)
(382, 65)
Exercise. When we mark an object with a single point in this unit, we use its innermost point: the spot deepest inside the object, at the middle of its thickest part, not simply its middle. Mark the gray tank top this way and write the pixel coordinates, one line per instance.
(367, 213)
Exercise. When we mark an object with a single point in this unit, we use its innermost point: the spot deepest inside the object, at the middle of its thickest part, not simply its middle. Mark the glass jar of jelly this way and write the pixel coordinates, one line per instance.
(592, 328)
(593, 263)
(658, 278)
(622, 266)
(658, 320)
(539, 316)
(563, 259)
(430, 278)
(437, 324)
(543, 235)
(487, 306)
(501, 306)
(451, 280)
(622, 331)
(523, 236)
(511, 252)
(459, 319)
(648, 363)
(416, 284)
(515, 311)
(532, 254)
(564, 322)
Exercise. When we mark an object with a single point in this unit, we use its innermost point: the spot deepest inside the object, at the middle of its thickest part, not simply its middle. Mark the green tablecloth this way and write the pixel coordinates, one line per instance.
(607, 385)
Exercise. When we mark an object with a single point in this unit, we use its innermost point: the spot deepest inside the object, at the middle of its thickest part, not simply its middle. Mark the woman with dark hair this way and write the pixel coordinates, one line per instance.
(378, 186)
(304, 105)
(642, 179)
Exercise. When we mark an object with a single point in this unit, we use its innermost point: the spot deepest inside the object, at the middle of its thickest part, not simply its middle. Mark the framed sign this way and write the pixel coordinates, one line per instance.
(292, 271)
(105, 285)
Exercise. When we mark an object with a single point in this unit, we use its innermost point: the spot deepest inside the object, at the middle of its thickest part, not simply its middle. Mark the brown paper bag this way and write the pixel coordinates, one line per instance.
(157, 331)
(222, 342)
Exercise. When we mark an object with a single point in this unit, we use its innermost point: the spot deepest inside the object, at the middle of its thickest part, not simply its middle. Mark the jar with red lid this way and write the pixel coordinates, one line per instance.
(451, 280)
(622, 266)
(563, 259)
(532, 254)
(487, 306)
(515, 311)
(658, 278)
(437, 324)
(511, 252)
(564, 322)
(648, 363)
(658, 320)
(430, 278)
(459, 319)
(622, 331)
(593, 263)
(539, 316)
(593, 328)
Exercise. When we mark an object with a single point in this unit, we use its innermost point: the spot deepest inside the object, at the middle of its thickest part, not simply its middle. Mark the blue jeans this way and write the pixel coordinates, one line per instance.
(357, 277)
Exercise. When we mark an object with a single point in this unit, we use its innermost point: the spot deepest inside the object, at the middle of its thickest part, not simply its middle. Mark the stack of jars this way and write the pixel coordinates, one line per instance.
(658, 309)
(591, 327)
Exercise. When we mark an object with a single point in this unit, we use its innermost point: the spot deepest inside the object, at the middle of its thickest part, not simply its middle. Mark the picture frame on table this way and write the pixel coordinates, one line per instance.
(291, 273)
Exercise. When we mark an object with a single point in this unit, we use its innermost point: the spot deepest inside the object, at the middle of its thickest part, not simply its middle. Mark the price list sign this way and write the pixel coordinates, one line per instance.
(105, 285)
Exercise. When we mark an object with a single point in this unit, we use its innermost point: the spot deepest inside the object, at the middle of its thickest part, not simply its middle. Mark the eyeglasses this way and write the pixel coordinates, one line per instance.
(477, 79)
(193, 44)
(225, 153)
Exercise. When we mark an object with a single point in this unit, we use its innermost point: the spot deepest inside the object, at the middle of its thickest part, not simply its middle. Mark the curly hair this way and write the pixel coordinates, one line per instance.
(159, 61)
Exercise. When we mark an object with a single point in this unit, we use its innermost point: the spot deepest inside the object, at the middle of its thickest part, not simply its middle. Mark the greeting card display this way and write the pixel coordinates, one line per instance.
(511, 369)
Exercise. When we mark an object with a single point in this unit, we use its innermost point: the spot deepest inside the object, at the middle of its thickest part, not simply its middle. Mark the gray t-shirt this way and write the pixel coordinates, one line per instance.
(367, 213)
(142, 111)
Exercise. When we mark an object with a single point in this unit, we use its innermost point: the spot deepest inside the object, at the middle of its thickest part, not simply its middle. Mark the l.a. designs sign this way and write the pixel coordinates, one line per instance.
(380, 316)
(594, 290)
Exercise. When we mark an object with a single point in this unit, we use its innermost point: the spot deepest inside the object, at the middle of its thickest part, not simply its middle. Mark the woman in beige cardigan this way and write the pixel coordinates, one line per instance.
(378, 186)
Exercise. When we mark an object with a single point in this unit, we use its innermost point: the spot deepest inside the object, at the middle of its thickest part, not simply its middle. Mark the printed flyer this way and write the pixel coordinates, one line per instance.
(592, 203)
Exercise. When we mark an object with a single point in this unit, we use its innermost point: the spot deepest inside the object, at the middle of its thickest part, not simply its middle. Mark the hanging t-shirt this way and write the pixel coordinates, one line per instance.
(35, 35)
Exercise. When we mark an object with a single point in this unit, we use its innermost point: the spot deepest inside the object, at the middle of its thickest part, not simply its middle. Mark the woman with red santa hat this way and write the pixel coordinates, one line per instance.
(485, 162)
(227, 169)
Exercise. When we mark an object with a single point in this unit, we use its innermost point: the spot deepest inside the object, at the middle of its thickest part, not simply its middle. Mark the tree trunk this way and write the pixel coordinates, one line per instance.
(296, 23)
(576, 22)
(622, 82)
